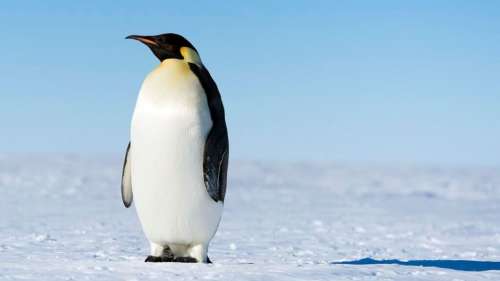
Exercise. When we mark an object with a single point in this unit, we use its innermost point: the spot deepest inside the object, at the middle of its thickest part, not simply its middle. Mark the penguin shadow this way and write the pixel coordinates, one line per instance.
(462, 265)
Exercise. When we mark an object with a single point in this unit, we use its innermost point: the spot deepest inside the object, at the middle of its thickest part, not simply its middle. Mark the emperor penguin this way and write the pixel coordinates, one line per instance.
(176, 162)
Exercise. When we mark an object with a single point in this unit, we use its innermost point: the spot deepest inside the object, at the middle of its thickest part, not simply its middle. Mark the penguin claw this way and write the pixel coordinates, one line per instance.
(167, 259)
(159, 259)
(153, 259)
(185, 259)
(174, 259)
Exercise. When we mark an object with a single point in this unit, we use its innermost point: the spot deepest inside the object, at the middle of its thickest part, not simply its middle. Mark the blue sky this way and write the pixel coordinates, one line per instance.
(356, 81)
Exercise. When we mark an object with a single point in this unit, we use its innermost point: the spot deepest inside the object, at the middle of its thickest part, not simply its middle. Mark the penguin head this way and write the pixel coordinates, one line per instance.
(170, 46)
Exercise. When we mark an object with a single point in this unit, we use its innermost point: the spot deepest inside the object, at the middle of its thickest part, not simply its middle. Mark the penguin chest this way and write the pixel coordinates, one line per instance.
(169, 128)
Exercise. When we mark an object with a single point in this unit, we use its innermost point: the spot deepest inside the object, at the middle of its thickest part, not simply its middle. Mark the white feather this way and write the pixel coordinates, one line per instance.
(169, 128)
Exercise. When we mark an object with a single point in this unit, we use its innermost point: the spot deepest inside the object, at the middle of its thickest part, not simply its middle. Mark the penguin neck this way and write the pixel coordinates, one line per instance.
(174, 68)
(168, 83)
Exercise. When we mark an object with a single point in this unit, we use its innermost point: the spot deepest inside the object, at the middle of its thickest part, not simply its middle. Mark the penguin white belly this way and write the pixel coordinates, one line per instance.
(169, 128)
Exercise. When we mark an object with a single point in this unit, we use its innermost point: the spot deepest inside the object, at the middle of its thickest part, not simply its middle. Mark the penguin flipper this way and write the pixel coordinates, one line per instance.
(216, 162)
(127, 195)
(216, 153)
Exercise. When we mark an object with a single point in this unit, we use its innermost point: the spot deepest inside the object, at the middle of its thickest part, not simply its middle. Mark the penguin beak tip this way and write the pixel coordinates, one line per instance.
(148, 40)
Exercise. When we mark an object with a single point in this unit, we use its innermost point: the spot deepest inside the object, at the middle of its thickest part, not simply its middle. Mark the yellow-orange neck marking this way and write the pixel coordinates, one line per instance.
(191, 56)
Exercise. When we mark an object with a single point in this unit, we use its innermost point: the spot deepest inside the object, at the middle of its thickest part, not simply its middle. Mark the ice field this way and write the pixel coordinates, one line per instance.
(61, 218)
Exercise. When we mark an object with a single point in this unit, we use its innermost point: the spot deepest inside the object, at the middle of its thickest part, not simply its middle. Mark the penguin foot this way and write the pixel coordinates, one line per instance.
(167, 256)
(159, 259)
(167, 259)
(185, 259)
(153, 259)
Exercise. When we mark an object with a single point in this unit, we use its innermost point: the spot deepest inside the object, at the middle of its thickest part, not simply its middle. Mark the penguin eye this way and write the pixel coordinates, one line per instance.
(169, 47)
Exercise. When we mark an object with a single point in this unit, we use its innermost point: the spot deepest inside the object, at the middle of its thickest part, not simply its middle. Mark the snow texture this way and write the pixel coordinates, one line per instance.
(61, 218)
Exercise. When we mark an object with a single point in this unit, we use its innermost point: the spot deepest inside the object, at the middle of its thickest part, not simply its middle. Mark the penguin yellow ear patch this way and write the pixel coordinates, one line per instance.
(190, 55)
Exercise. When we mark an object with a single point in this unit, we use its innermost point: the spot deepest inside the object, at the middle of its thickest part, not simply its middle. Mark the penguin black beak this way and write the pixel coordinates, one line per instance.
(147, 40)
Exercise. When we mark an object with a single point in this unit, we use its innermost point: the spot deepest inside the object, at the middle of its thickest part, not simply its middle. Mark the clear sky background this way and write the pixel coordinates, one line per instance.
(356, 81)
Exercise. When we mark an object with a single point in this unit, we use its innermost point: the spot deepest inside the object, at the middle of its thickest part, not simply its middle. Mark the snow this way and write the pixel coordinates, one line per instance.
(61, 218)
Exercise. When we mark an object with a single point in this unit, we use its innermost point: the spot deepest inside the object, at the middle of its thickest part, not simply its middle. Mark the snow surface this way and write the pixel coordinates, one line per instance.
(61, 218)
